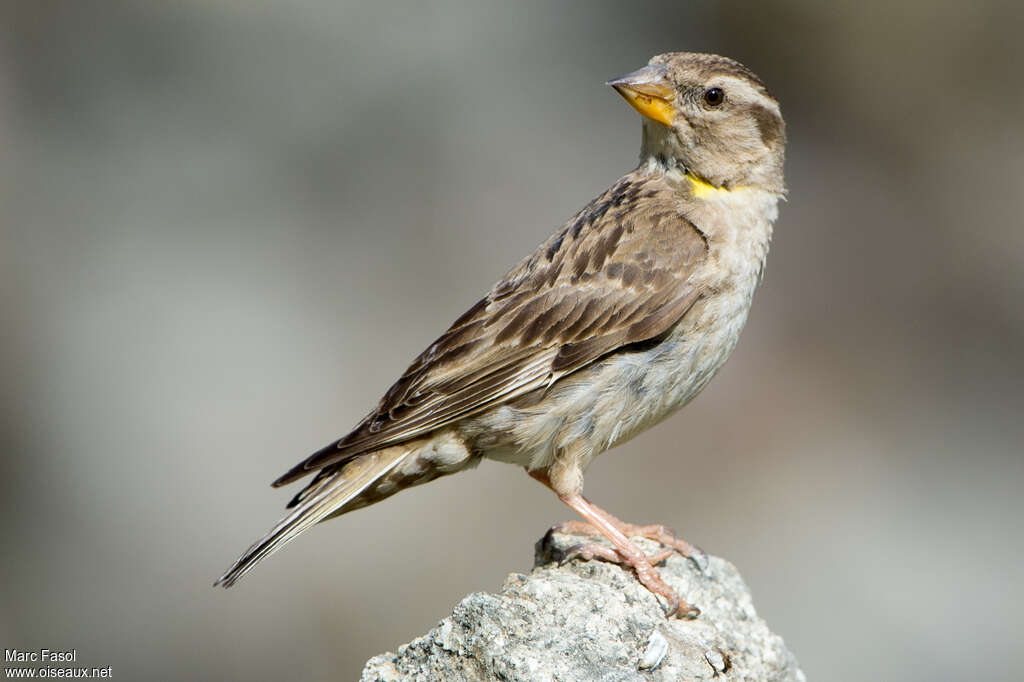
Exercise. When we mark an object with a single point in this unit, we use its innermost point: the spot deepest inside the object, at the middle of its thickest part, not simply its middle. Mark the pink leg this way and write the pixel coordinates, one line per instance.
(628, 553)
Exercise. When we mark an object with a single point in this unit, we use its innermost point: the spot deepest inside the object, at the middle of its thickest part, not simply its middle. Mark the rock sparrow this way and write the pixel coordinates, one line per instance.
(615, 322)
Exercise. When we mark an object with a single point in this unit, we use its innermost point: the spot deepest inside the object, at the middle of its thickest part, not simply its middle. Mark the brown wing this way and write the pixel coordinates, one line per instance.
(618, 273)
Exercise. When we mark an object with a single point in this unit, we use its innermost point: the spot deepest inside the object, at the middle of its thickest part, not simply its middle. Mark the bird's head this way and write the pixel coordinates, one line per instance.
(710, 115)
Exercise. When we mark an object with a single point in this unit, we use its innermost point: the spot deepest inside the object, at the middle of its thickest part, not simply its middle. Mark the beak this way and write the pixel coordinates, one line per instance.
(649, 92)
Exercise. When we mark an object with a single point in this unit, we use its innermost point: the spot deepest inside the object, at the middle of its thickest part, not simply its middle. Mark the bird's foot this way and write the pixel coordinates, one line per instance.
(594, 551)
(658, 533)
(641, 564)
(625, 552)
(629, 555)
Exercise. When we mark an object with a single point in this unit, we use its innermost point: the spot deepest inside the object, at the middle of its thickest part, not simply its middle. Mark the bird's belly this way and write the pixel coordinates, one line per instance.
(617, 397)
(644, 389)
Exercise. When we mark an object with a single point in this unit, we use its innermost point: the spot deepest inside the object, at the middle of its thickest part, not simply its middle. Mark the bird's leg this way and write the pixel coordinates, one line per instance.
(656, 532)
(627, 552)
(630, 555)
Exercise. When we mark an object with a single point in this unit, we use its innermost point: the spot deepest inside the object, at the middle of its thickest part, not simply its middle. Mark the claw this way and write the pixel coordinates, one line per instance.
(546, 540)
(691, 613)
(701, 561)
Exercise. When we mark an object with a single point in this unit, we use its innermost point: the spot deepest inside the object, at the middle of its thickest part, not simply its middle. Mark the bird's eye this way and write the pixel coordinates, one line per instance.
(714, 96)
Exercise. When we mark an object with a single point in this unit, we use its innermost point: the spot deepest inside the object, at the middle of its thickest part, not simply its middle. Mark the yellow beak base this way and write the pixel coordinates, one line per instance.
(655, 107)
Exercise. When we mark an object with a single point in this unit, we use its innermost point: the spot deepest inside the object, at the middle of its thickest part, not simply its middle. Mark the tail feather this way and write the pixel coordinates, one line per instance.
(323, 498)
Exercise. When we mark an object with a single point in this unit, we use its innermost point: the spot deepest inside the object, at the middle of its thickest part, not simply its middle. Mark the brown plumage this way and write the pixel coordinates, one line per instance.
(594, 286)
(617, 320)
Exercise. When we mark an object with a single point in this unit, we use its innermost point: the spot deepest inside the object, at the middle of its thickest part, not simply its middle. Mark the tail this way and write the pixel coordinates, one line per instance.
(327, 496)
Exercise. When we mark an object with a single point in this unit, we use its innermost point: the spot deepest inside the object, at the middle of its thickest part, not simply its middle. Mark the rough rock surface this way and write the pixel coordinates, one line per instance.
(591, 620)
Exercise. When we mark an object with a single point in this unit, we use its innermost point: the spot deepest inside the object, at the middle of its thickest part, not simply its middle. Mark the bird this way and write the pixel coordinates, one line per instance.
(615, 322)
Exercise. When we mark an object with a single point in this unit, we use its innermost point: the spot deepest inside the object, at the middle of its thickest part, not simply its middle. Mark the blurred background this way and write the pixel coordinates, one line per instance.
(226, 227)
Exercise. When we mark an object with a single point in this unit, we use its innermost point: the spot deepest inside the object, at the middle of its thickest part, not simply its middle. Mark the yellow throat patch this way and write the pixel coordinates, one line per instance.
(702, 189)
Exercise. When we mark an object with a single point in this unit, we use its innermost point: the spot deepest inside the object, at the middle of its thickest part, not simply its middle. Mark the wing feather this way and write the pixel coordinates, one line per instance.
(618, 273)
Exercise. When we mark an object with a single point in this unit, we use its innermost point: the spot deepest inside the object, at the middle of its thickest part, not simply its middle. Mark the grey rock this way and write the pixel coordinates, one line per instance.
(593, 621)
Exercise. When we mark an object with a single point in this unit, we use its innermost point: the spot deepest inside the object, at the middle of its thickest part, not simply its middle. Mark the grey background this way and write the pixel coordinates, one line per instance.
(226, 227)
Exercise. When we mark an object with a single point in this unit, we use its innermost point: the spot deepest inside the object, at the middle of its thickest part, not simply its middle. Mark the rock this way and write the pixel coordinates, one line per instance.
(593, 621)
